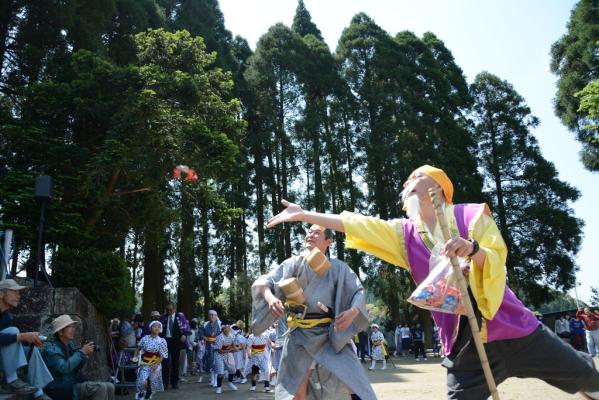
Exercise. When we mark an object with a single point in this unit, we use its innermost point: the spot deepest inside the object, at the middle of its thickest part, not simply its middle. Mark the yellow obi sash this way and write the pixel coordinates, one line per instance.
(150, 358)
(258, 349)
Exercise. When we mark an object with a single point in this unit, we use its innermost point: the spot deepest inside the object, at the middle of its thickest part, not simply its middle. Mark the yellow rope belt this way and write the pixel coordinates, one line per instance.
(295, 320)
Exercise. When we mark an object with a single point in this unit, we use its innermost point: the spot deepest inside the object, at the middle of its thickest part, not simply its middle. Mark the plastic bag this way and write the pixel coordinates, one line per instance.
(440, 290)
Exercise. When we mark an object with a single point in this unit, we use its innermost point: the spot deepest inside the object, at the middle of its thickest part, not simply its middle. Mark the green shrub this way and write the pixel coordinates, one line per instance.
(102, 276)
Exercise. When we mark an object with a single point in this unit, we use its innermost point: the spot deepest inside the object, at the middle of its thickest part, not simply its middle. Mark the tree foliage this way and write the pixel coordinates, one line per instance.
(109, 97)
(574, 61)
(530, 202)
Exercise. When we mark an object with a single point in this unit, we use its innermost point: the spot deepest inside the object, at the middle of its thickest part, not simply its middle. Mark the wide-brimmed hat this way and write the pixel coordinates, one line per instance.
(62, 322)
(374, 326)
(10, 284)
(155, 314)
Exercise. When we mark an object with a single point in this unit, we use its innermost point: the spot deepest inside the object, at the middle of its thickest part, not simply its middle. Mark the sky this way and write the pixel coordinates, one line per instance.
(509, 38)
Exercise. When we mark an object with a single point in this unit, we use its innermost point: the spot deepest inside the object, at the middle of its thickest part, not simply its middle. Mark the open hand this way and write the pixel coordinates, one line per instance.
(344, 320)
(292, 212)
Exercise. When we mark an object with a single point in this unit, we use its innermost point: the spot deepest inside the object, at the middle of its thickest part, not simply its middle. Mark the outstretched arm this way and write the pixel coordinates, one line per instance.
(294, 212)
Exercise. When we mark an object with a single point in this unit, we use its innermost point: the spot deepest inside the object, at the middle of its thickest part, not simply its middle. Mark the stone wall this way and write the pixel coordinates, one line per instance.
(39, 306)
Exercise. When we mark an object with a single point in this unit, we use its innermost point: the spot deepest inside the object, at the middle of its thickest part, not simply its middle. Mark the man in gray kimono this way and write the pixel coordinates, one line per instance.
(317, 362)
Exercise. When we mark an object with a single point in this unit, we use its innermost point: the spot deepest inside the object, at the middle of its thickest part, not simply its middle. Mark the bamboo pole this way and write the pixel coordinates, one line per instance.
(463, 286)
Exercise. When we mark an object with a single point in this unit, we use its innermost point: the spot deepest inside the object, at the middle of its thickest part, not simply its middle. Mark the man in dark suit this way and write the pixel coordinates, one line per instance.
(175, 330)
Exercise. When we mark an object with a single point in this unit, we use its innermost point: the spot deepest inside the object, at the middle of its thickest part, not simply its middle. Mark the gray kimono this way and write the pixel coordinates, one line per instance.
(337, 367)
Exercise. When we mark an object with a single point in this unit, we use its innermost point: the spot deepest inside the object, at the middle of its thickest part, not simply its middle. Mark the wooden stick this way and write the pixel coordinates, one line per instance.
(463, 286)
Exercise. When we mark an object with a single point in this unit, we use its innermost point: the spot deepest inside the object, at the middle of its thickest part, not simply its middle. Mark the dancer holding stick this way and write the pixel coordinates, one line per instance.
(515, 342)
(463, 285)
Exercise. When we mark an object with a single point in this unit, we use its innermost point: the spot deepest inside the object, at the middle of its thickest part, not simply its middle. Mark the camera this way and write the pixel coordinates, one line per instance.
(96, 348)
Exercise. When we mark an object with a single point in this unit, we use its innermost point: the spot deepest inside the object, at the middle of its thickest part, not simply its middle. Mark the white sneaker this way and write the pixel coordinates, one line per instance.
(213, 384)
(200, 379)
(182, 380)
(383, 368)
(417, 359)
(243, 380)
(219, 390)
(253, 389)
(371, 369)
(267, 389)
(232, 386)
(425, 358)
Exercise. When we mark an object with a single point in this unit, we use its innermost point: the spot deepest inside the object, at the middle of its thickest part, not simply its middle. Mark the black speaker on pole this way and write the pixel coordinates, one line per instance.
(43, 193)
(43, 188)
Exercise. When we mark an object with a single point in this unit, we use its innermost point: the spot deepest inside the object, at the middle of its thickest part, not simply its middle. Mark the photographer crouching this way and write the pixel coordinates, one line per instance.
(65, 360)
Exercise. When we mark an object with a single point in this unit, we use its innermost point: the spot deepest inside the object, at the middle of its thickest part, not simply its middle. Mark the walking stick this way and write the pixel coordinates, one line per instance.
(463, 285)
(390, 359)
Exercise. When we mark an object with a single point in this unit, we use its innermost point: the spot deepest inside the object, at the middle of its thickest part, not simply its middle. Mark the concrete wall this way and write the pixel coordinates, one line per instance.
(39, 306)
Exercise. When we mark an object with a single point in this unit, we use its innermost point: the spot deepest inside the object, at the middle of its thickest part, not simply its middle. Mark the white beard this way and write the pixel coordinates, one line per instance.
(412, 207)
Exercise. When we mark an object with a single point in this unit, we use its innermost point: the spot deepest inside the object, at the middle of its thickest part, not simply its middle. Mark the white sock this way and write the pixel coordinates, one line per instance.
(38, 393)
(384, 363)
(11, 378)
(373, 364)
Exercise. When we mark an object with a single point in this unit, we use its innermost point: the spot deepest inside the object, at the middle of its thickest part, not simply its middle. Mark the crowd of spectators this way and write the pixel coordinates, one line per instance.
(580, 330)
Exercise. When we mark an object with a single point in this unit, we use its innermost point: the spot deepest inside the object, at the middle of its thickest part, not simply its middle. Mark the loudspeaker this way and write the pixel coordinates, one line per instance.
(43, 188)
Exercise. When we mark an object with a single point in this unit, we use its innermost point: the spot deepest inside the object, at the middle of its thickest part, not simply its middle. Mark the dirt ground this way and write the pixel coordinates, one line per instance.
(411, 380)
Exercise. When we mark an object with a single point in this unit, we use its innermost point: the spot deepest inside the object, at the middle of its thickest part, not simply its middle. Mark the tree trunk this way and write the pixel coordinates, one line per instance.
(204, 253)
(186, 294)
(153, 289)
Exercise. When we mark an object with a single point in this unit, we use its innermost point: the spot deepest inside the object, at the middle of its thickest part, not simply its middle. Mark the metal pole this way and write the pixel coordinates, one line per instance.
(576, 294)
(39, 243)
(6, 252)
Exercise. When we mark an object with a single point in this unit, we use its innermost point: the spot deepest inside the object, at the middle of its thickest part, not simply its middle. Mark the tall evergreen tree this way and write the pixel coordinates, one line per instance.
(530, 202)
(273, 75)
(574, 61)
(302, 22)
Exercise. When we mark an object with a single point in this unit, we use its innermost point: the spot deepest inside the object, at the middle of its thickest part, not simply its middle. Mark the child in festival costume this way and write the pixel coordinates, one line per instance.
(240, 355)
(378, 350)
(515, 341)
(224, 361)
(258, 360)
(153, 350)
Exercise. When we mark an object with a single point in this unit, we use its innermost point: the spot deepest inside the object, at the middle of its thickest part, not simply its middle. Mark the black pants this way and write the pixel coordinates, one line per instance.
(170, 365)
(419, 349)
(542, 355)
(362, 349)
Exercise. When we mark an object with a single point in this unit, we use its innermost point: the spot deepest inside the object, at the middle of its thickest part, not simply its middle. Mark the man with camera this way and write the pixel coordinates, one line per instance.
(12, 355)
(65, 361)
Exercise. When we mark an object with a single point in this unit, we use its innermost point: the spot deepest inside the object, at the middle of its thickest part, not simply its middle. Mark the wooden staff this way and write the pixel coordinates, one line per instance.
(463, 286)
